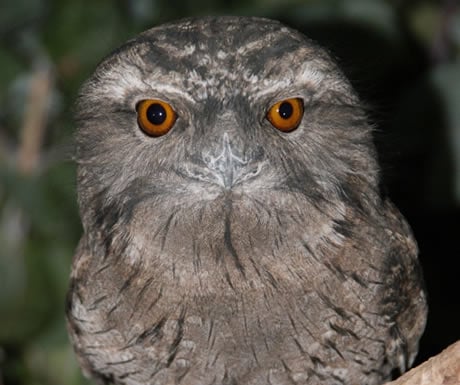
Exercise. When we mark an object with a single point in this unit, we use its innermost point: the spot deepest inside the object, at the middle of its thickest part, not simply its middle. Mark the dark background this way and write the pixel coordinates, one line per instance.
(401, 56)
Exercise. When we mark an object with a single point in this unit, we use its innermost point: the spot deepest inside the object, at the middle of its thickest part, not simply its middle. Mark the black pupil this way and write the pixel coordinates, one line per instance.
(285, 110)
(156, 114)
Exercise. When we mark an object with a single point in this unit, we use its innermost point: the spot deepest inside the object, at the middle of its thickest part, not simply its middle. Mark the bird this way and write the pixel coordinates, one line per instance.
(235, 231)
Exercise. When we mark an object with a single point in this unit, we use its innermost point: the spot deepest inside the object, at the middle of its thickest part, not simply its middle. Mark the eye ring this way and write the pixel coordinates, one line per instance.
(155, 117)
(286, 114)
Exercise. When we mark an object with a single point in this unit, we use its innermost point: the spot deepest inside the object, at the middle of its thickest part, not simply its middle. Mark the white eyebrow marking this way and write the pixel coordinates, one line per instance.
(306, 75)
(172, 90)
(271, 86)
(312, 76)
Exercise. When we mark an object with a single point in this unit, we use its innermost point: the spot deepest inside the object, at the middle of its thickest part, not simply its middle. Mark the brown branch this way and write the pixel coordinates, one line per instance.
(443, 369)
(35, 120)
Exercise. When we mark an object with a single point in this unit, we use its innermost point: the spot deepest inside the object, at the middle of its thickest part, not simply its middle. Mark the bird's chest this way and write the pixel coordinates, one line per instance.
(302, 336)
(232, 297)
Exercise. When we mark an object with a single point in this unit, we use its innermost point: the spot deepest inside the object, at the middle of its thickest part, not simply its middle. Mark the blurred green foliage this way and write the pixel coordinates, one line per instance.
(402, 56)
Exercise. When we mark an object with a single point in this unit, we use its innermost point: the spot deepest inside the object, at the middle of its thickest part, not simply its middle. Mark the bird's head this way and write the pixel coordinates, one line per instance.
(232, 107)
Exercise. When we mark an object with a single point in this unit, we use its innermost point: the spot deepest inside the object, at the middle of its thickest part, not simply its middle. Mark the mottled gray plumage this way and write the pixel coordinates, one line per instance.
(227, 252)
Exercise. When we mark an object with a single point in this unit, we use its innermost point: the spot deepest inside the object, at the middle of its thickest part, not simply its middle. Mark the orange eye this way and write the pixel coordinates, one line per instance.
(155, 117)
(286, 114)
